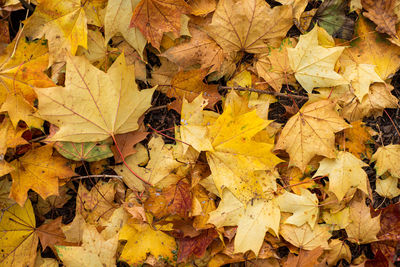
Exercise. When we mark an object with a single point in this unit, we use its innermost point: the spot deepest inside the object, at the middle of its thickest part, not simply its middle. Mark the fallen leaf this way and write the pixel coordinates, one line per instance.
(274, 67)
(96, 205)
(18, 240)
(195, 246)
(313, 65)
(304, 207)
(160, 165)
(95, 249)
(298, 7)
(40, 171)
(360, 76)
(117, 20)
(10, 137)
(305, 258)
(126, 143)
(142, 239)
(202, 7)
(382, 13)
(155, 17)
(63, 23)
(356, 140)
(189, 84)
(94, 105)
(388, 187)
(338, 250)
(344, 172)
(241, 25)
(363, 229)
(332, 16)
(201, 49)
(252, 221)
(311, 132)
(387, 158)
(51, 234)
(306, 238)
(372, 48)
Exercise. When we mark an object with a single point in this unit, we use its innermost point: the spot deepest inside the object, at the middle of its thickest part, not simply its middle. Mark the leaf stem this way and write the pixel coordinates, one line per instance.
(126, 164)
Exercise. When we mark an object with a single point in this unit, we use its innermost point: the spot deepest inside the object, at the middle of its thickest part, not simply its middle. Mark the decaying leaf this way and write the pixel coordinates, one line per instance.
(387, 158)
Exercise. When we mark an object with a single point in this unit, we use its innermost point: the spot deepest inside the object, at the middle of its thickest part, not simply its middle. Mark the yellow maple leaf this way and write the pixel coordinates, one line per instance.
(360, 76)
(160, 165)
(95, 249)
(94, 105)
(18, 240)
(245, 25)
(311, 132)
(117, 20)
(306, 238)
(304, 207)
(387, 160)
(388, 187)
(363, 229)
(253, 220)
(10, 137)
(344, 172)
(313, 65)
(143, 239)
(38, 170)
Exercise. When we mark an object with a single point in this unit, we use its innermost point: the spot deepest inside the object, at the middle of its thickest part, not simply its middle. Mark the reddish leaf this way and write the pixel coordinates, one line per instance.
(50, 234)
(195, 246)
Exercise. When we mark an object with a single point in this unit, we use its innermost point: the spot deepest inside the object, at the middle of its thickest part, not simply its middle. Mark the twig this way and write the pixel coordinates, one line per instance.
(97, 176)
(156, 108)
(245, 89)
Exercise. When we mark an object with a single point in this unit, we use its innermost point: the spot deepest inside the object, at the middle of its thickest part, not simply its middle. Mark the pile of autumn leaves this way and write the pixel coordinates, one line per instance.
(222, 190)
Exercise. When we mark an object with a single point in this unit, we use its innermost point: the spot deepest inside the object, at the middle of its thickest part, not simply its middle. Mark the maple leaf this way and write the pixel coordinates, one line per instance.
(195, 246)
(387, 158)
(305, 258)
(96, 205)
(338, 250)
(361, 76)
(252, 220)
(382, 13)
(274, 67)
(95, 248)
(188, 85)
(372, 48)
(18, 239)
(201, 49)
(313, 65)
(298, 6)
(306, 238)
(363, 229)
(117, 20)
(242, 25)
(355, 140)
(40, 171)
(51, 234)
(10, 137)
(22, 66)
(126, 143)
(94, 105)
(156, 17)
(142, 239)
(344, 172)
(63, 23)
(202, 7)
(160, 165)
(311, 132)
(388, 187)
(304, 207)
